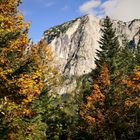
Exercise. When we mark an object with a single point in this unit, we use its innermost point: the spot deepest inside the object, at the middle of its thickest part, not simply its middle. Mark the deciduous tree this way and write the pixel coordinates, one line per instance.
(24, 72)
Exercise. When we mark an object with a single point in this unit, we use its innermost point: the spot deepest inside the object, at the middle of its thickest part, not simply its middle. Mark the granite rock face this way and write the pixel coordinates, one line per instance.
(75, 42)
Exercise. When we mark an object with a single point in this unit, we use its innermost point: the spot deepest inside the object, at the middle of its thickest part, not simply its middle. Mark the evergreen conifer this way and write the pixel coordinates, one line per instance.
(109, 48)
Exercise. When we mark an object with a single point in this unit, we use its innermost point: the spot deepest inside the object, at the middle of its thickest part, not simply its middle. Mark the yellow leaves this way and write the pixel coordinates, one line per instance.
(42, 54)
(20, 17)
(8, 7)
(137, 71)
(30, 85)
(44, 59)
(11, 106)
(4, 73)
(13, 34)
(27, 112)
(133, 102)
(27, 25)
(21, 69)
(1, 18)
(20, 43)
(90, 119)
(11, 21)
(37, 74)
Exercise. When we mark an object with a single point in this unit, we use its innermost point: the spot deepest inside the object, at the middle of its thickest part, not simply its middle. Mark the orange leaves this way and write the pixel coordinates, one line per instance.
(8, 6)
(90, 119)
(86, 115)
(13, 33)
(92, 111)
(110, 103)
(42, 52)
(133, 102)
(27, 112)
(104, 76)
(20, 17)
(30, 85)
(44, 59)
(96, 96)
(133, 81)
(25, 69)
(11, 21)
(24, 80)
(19, 45)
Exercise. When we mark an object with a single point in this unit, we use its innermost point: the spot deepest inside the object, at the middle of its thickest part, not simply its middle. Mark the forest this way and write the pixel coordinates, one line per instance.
(106, 105)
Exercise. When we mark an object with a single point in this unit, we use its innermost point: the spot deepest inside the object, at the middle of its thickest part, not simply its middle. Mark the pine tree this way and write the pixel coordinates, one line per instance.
(109, 47)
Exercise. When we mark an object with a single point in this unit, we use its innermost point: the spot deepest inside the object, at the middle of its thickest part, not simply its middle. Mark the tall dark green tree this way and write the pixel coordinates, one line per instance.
(109, 48)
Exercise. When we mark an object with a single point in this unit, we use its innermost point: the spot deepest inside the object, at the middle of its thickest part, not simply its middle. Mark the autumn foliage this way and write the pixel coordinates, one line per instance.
(133, 89)
(108, 111)
(14, 41)
(31, 109)
(25, 70)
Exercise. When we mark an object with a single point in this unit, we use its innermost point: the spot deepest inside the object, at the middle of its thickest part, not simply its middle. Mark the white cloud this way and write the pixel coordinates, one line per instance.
(88, 7)
(125, 10)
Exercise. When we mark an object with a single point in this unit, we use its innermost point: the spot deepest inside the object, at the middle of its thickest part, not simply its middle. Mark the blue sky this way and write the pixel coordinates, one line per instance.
(47, 13)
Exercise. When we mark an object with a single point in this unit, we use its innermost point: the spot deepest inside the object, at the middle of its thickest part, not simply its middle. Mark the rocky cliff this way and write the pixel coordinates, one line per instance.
(75, 42)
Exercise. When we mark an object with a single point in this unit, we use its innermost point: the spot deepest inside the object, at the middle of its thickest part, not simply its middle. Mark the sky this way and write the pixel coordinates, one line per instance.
(45, 14)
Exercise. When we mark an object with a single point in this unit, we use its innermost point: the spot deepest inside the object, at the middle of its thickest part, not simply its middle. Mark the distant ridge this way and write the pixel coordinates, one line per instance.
(75, 42)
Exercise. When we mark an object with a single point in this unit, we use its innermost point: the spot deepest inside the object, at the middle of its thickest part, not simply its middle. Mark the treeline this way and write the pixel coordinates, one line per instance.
(106, 107)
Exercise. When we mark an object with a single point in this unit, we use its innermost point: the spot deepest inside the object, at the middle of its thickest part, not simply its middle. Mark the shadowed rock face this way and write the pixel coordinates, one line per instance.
(75, 42)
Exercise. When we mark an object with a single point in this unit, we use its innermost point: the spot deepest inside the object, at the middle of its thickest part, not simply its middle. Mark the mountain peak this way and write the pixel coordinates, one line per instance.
(75, 42)
(91, 16)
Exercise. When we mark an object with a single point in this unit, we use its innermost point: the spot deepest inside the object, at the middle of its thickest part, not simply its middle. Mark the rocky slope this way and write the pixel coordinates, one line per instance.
(75, 42)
